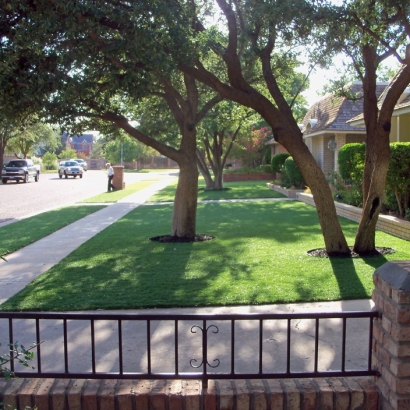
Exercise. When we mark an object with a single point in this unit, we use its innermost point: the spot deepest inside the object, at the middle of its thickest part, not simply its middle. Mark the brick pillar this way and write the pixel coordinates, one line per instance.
(118, 180)
(391, 336)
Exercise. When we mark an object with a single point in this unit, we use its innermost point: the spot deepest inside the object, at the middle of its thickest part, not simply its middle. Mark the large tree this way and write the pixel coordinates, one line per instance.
(255, 31)
(369, 32)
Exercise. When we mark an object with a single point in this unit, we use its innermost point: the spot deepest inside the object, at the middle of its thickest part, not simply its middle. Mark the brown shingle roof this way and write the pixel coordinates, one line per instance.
(332, 112)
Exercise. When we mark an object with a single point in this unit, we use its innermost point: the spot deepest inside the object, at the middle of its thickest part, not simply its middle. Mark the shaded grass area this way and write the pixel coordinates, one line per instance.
(258, 256)
(22, 233)
(234, 190)
(114, 196)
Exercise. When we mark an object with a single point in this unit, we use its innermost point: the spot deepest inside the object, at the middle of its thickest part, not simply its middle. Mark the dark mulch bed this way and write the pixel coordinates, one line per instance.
(169, 238)
(321, 253)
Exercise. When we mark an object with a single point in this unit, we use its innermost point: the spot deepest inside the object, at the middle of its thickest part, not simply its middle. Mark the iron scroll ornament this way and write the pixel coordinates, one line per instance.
(205, 358)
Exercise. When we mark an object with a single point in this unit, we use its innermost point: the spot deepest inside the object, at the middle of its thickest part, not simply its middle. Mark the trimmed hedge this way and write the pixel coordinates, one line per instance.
(278, 161)
(351, 160)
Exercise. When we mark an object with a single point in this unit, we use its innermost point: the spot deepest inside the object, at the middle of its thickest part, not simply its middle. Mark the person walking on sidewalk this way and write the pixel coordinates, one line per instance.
(110, 173)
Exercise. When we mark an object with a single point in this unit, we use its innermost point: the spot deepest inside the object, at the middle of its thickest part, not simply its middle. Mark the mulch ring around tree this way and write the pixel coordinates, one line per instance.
(321, 253)
(169, 238)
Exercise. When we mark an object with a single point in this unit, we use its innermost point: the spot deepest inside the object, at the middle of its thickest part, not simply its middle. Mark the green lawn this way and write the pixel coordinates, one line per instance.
(22, 233)
(114, 196)
(234, 190)
(258, 256)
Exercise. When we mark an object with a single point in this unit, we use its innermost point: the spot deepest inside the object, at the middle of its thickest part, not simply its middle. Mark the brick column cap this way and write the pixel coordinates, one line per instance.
(396, 274)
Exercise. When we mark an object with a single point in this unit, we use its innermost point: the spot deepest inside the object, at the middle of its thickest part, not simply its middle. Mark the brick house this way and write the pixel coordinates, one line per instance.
(400, 124)
(325, 128)
(82, 144)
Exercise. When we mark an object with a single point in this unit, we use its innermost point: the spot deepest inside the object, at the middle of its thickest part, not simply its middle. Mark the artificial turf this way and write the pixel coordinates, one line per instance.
(258, 256)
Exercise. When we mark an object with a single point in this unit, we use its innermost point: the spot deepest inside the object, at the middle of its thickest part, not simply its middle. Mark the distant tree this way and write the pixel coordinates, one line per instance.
(68, 153)
(31, 137)
(131, 149)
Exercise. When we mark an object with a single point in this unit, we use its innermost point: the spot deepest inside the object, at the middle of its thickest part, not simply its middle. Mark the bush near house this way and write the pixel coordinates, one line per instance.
(351, 162)
(278, 161)
(291, 175)
(50, 161)
(398, 177)
(351, 166)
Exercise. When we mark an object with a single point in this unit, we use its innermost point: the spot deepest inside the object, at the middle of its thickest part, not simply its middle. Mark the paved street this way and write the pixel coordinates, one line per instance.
(21, 200)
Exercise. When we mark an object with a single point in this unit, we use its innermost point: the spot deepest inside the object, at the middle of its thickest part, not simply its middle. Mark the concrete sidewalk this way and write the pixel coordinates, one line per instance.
(28, 263)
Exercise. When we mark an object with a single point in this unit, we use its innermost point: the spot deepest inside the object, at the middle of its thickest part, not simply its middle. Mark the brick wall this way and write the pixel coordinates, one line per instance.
(391, 336)
(289, 394)
(385, 223)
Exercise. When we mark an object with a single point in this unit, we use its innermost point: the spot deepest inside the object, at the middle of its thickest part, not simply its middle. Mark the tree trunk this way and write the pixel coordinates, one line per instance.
(335, 241)
(203, 169)
(185, 204)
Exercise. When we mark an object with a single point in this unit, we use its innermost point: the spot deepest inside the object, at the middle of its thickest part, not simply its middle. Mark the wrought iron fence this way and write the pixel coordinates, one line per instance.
(192, 346)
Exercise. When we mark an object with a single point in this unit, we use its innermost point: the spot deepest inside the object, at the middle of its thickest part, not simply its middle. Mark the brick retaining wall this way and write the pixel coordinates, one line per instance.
(385, 223)
(289, 394)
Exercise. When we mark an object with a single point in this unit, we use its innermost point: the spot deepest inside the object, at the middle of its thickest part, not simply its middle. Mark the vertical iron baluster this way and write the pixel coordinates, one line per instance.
(316, 343)
(121, 364)
(176, 347)
(149, 345)
(92, 345)
(344, 345)
(369, 357)
(11, 342)
(204, 348)
(260, 345)
(232, 346)
(288, 349)
(65, 331)
(38, 345)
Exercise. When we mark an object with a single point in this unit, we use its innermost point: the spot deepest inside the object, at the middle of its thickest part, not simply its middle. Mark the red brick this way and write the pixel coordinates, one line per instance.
(378, 333)
(325, 394)
(242, 395)
(341, 396)
(74, 394)
(308, 394)
(258, 392)
(400, 332)
(400, 296)
(356, 393)
(210, 396)
(400, 368)
(371, 394)
(90, 394)
(58, 394)
(275, 395)
(385, 287)
(386, 324)
(382, 355)
(226, 397)
(292, 394)
(106, 395)
(174, 391)
(10, 393)
(193, 389)
(42, 396)
(125, 393)
(142, 390)
(158, 395)
(399, 403)
(378, 299)
(26, 393)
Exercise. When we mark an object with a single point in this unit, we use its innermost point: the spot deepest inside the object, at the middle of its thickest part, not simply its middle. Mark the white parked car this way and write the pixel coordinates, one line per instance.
(81, 162)
(70, 169)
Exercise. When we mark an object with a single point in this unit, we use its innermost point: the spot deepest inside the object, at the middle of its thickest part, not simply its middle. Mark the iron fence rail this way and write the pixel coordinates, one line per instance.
(204, 325)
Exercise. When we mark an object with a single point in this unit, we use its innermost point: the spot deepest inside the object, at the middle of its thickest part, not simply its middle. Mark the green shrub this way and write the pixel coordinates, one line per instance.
(278, 160)
(351, 196)
(291, 175)
(398, 176)
(266, 168)
(268, 158)
(50, 160)
(351, 162)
